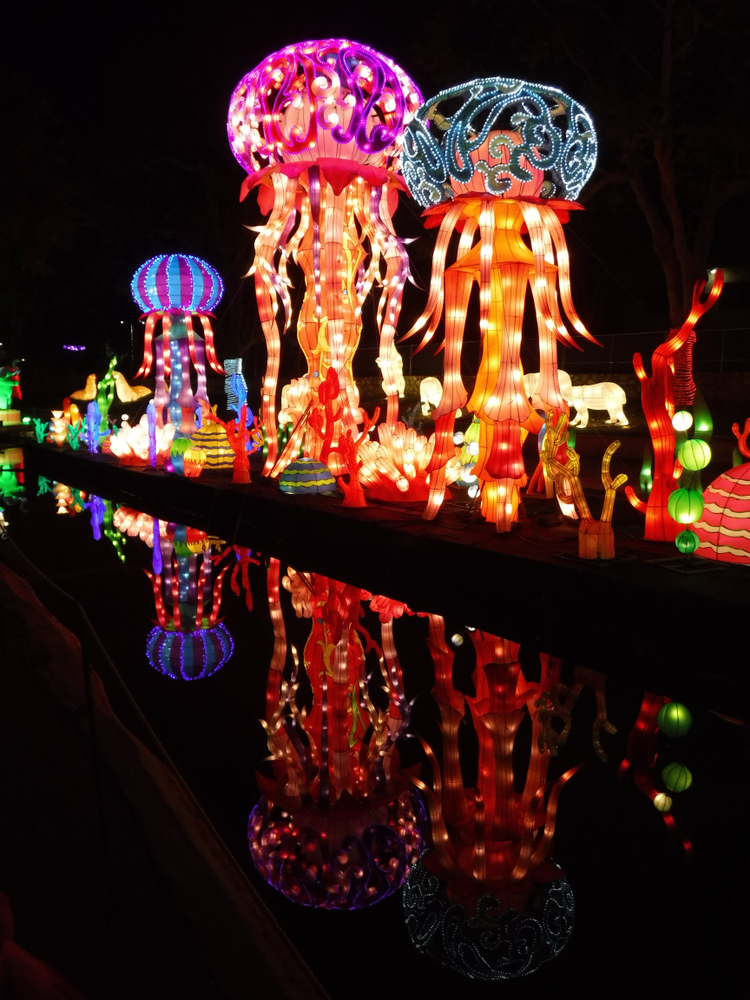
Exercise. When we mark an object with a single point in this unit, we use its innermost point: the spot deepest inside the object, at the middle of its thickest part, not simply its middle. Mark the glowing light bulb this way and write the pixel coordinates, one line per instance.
(682, 420)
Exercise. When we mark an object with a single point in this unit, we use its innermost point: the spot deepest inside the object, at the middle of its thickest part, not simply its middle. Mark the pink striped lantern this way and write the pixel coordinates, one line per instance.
(724, 528)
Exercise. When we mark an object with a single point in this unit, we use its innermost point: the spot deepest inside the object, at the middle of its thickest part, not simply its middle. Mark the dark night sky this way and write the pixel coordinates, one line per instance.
(114, 122)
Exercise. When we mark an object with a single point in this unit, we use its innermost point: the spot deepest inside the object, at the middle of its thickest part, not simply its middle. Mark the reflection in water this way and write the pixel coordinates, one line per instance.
(486, 901)
(337, 826)
(340, 824)
(189, 642)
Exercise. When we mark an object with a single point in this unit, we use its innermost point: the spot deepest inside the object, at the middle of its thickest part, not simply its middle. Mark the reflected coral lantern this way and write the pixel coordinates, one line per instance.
(176, 282)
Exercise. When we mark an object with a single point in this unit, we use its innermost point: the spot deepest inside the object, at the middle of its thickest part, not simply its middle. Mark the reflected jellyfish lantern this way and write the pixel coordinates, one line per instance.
(318, 126)
(171, 288)
(337, 827)
(188, 642)
(493, 160)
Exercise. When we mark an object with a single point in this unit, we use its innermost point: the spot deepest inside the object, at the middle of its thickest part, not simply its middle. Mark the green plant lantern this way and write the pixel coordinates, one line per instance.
(674, 719)
(694, 454)
(676, 777)
(685, 506)
(687, 541)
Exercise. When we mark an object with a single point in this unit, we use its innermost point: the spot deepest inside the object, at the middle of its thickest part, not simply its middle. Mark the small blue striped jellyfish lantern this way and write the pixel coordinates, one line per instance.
(189, 656)
(171, 288)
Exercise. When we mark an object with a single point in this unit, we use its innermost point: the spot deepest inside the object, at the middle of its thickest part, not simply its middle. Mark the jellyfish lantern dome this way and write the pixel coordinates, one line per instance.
(319, 128)
(171, 288)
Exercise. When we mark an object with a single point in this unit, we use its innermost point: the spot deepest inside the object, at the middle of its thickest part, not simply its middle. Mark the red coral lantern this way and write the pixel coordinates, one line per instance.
(657, 400)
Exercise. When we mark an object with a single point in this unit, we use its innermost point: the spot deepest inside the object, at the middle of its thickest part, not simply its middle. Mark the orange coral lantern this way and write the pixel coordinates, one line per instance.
(319, 127)
(494, 159)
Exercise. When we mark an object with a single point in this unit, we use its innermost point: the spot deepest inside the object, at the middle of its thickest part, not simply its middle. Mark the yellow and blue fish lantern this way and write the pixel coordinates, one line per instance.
(307, 475)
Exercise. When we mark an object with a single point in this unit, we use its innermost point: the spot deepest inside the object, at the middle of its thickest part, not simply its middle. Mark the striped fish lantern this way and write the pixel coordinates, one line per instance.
(211, 438)
(307, 475)
(724, 528)
(189, 656)
(171, 288)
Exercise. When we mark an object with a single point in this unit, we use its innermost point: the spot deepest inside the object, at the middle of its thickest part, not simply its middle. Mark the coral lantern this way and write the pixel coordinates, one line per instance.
(657, 400)
(495, 159)
(171, 288)
(319, 126)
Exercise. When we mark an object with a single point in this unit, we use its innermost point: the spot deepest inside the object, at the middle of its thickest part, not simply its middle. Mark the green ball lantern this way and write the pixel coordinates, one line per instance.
(676, 777)
(687, 541)
(685, 506)
(674, 719)
(694, 454)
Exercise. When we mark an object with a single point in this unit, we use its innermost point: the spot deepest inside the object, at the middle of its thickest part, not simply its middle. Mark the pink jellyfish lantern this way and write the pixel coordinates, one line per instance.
(171, 288)
(319, 126)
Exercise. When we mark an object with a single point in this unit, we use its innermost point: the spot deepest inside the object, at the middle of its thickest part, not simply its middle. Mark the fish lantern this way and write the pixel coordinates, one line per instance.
(337, 827)
(723, 531)
(501, 162)
(318, 126)
(170, 289)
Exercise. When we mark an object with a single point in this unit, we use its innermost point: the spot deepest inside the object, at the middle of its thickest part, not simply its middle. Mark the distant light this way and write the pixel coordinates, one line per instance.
(73, 347)
(457, 639)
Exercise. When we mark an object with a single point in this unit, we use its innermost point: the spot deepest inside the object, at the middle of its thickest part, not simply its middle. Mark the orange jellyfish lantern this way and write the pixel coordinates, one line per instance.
(337, 827)
(319, 125)
(486, 901)
(494, 159)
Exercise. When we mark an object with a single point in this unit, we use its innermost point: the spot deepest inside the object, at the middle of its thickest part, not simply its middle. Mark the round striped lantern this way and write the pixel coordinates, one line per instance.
(694, 454)
(176, 281)
(685, 506)
(724, 528)
(307, 475)
(189, 656)
(211, 438)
